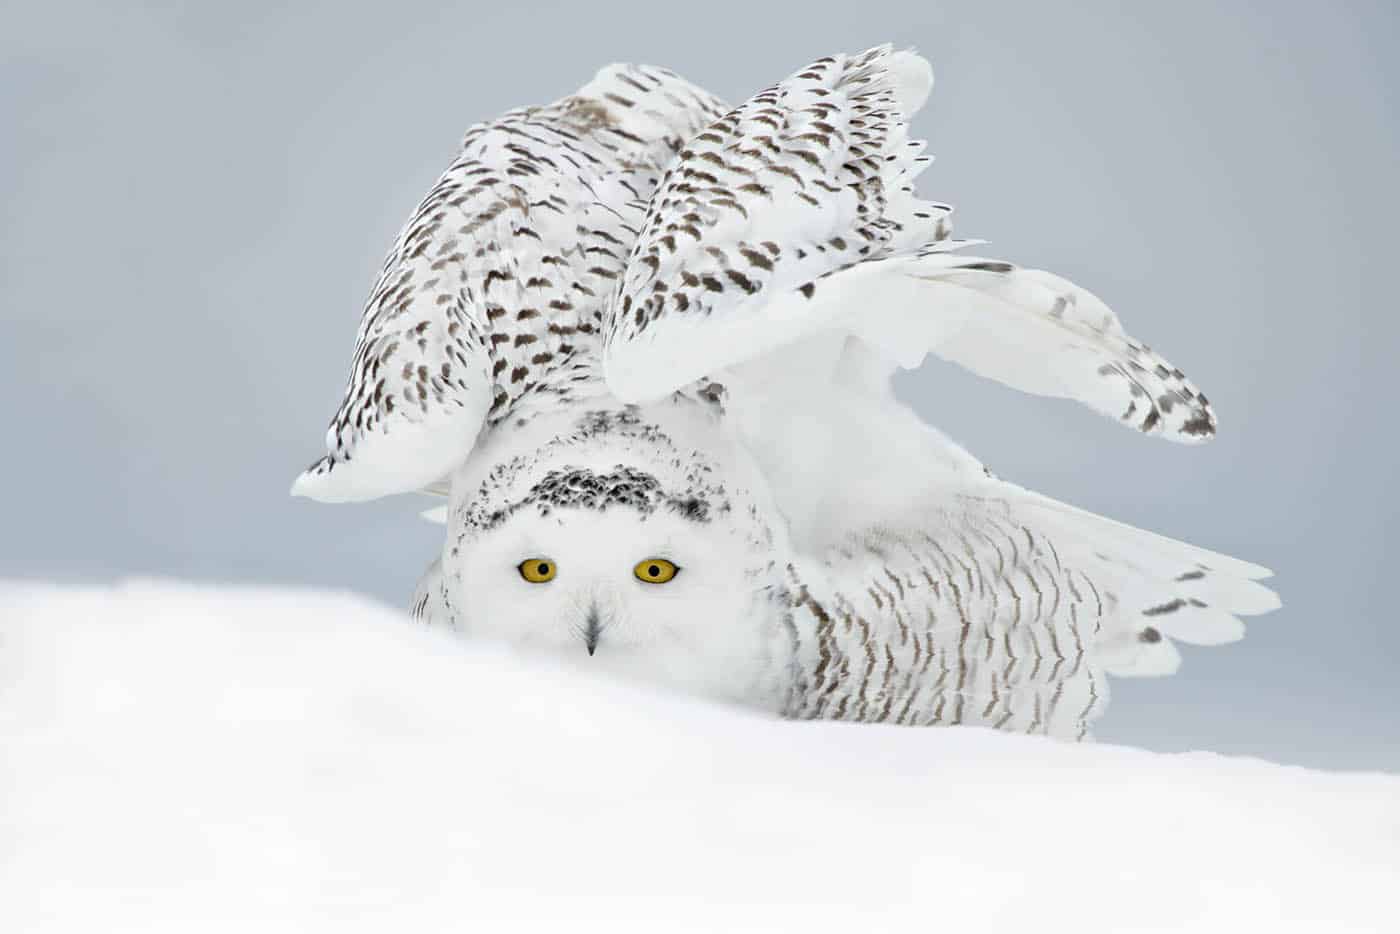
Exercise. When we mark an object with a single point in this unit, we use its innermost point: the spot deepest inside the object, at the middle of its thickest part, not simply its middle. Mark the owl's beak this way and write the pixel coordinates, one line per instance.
(593, 630)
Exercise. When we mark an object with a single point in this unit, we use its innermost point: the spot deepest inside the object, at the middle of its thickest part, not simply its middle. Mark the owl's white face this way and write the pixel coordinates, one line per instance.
(619, 546)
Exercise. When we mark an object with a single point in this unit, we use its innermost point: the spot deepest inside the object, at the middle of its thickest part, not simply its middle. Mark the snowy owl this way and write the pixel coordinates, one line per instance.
(645, 344)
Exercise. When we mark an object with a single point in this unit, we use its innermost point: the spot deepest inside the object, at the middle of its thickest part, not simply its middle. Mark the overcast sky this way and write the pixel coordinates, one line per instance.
(196, 198)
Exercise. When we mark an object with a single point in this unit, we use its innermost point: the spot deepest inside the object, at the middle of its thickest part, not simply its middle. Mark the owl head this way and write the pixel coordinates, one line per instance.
(627, 538)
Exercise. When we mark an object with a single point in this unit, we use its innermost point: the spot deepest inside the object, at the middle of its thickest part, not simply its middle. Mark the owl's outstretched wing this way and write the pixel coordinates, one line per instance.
(795, 215)
(989, 605)
(499, 278)
(927, 590)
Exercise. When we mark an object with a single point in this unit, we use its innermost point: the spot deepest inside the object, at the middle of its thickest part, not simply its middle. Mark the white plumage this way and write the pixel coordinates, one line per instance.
(727, 411)
(494, 291)
(795, 214)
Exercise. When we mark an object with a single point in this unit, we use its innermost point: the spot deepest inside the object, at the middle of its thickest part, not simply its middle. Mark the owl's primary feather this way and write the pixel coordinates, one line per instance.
(496, 286)
(795, 214)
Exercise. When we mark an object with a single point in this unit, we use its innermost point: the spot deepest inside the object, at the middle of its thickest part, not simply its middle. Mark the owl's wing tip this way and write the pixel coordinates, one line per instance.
(320, 482)
(311, 483)
(912, 75)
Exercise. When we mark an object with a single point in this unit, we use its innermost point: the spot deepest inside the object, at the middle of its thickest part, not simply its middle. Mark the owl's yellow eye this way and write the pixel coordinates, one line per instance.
(538, 570)
(655, 571)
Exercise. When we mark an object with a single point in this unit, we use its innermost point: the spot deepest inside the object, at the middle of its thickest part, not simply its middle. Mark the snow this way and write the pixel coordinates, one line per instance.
(178, 758)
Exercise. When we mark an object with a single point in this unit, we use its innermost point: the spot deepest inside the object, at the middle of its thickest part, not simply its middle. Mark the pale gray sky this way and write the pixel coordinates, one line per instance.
(196, 198)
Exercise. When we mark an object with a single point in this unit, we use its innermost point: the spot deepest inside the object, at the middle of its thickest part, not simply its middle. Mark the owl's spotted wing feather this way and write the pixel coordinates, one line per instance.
(1000, 608)
(494, 289)
(795, 214)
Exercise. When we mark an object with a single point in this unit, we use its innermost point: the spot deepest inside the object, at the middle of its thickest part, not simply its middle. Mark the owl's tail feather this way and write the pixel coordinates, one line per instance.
(1163, 589)
(1030, 330)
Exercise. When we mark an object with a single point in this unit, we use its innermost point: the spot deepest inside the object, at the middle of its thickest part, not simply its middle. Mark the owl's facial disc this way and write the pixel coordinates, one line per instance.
(617, 542)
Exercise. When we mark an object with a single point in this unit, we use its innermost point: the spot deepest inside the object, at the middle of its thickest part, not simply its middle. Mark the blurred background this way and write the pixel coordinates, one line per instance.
(196, 198)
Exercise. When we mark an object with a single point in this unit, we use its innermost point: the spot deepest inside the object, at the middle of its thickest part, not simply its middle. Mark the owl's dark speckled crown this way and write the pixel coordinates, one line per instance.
(614, 457)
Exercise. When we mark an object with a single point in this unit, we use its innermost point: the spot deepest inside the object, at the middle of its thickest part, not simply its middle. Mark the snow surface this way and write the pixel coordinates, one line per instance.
(185, 759)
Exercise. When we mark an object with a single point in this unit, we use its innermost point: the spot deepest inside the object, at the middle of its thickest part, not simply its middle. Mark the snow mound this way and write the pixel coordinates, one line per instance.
(174, 758)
